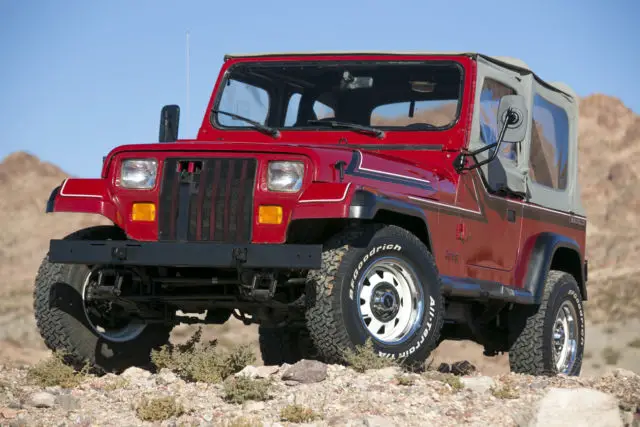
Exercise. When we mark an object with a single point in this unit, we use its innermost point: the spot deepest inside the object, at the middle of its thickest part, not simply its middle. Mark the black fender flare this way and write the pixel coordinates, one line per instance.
(540, 259)
(52, 199)
(365, 205)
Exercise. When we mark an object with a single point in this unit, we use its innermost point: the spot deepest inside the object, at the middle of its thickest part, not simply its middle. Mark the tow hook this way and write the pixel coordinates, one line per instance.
(263, 286)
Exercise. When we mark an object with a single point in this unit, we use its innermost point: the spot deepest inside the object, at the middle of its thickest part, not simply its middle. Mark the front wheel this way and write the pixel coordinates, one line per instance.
(87, 332)
(379, 283)
(550, 337)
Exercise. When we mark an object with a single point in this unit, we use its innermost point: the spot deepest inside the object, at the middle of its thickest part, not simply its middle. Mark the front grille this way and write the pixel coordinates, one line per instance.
(207, 200)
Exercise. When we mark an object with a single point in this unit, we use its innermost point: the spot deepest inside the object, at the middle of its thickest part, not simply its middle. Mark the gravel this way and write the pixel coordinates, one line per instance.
(343, 398)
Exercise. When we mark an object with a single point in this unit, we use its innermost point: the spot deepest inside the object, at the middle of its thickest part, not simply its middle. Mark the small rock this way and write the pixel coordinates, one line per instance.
(166, 377)
(377, 421)
(208, 417)
(267, 371)
(254, 406)
(462, 368)
(258, 371)
(53, 389)
(68, 402)
(291, 383)
(15, 404)
(388, 373)
(627, 418)
(578, 407)
(623, 373)
(42, 399)
(306, 371)
(135, 373)
(538, 385)
(284, 367)
(478, 384)
(8, 413)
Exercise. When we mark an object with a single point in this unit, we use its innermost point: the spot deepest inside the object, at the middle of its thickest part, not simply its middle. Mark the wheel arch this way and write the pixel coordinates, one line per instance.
(553, 251)
(366, 205)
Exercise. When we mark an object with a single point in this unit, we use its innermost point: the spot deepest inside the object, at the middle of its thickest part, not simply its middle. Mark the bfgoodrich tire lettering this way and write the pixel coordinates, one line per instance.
(333, 315)
(532, 349)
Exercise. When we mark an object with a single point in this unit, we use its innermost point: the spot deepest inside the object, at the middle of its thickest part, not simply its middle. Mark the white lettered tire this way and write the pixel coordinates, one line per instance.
(377, 282)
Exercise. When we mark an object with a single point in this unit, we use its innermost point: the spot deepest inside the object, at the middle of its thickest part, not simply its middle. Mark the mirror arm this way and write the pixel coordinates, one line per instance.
(459, 161)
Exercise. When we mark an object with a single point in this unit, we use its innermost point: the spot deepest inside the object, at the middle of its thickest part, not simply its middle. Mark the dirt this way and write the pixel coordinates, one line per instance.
(609, 172)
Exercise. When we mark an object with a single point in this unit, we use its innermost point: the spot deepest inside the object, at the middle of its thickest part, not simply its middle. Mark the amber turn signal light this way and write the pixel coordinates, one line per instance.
(270, 215)
(143, 212)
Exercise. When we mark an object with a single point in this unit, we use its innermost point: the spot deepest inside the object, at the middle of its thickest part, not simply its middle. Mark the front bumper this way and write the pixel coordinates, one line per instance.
(177, 254)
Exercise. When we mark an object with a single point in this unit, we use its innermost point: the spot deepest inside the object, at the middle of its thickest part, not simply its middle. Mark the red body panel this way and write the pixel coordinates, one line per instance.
(470, 233)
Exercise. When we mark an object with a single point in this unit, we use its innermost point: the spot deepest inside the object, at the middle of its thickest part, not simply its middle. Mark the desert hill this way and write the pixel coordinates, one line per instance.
(609, 170)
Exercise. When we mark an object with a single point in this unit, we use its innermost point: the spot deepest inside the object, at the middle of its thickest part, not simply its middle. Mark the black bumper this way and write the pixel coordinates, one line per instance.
(176, 254)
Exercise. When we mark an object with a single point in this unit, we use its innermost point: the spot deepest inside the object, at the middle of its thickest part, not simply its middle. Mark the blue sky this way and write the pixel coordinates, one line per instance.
(80, 77)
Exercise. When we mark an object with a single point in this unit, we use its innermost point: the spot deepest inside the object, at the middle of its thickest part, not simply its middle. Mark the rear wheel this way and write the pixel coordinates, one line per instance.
(99, 334)
(550, 337)
(285, 344)
(380, 283)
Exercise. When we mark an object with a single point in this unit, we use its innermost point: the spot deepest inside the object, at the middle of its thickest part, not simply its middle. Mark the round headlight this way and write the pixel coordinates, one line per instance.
(285, 176)
(138, 173)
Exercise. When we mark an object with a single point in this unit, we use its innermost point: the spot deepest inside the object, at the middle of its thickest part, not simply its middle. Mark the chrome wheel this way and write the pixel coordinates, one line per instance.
(103, 316)
(565, 338)
(391, 300)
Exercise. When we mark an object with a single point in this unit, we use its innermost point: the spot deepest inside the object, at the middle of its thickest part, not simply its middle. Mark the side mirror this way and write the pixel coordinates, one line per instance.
(169, 122)
(512, 125)
(513, 110)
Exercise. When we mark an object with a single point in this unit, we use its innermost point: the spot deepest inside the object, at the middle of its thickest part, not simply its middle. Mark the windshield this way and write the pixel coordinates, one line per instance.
(385, 95)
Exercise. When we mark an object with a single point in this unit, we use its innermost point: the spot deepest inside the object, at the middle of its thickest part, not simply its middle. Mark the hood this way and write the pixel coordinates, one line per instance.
(325, 158)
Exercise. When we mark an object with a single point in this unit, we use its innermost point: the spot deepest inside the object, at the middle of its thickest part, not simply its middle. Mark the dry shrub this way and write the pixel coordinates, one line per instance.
(202, 362)
(53, 371)
(506, 391)
(241, 389)
(159, 408)
(451, 380)
(610, 355)
(405, 380)
(116, 384)
(298, 414)
(635, 343)
(365, 357)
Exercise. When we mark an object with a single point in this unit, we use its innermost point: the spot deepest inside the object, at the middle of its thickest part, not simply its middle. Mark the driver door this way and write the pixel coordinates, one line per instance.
(492, 240)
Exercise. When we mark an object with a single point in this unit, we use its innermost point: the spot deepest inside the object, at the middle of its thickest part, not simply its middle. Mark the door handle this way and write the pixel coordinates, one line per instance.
(511, 215)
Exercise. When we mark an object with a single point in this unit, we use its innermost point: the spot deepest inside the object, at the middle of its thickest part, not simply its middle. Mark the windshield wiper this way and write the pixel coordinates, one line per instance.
(262, 128)
(336, 124)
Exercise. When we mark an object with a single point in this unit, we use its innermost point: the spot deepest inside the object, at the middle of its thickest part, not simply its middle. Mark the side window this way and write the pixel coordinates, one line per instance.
(492, 92)
(321, 110)
(245, 100)
(548, 159)
(292, 110)
(434, 113)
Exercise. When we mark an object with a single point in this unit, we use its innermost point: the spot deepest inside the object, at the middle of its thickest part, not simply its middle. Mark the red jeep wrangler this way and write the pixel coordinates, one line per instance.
(333, 198)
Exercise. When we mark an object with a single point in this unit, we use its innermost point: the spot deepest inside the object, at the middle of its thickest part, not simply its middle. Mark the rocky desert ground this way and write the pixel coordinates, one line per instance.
(610, 178)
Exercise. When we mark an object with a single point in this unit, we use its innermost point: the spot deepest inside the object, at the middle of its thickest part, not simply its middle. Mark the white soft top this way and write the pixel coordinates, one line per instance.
(505, 61)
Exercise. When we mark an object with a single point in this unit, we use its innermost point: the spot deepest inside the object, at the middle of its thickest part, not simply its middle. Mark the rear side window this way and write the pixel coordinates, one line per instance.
(548, 159)
(492, 92)
(244, 100)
